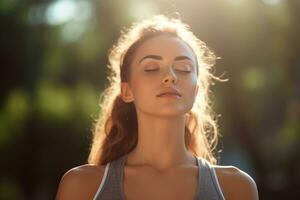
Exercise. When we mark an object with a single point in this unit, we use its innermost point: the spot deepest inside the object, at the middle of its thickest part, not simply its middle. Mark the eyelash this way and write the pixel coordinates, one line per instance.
(152, 70)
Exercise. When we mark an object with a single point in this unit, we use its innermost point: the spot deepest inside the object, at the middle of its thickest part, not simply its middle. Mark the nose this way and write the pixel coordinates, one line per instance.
(170, 77)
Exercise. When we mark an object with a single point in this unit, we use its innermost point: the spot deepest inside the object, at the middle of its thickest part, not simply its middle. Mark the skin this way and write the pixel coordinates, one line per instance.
(161, 121)
(160, 162)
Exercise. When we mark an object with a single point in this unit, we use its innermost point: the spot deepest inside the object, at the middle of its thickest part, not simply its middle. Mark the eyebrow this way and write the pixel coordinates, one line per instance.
(157, 57)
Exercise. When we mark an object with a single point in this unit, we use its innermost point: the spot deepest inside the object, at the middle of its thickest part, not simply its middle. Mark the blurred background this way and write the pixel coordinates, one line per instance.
(53, 69)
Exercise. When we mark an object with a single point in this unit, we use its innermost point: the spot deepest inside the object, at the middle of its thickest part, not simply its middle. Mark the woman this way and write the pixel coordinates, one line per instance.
(156, 132)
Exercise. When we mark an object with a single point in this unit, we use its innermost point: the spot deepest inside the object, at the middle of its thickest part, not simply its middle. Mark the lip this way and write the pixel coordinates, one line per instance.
(169, 93)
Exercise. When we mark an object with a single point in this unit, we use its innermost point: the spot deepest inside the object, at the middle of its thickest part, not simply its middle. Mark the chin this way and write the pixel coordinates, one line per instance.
(167, 111)
(170, 113)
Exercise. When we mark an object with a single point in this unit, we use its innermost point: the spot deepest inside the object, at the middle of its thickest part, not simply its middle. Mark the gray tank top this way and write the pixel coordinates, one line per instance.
(111, 186)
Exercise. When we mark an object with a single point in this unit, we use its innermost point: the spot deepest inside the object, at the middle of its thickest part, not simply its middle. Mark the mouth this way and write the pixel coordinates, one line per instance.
(169, 94)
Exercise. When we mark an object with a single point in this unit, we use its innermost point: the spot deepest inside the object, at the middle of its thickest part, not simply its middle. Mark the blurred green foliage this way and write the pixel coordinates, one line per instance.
(53, 63)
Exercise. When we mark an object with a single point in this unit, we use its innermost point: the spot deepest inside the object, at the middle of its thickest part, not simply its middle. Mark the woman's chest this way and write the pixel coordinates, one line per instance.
(148, 186)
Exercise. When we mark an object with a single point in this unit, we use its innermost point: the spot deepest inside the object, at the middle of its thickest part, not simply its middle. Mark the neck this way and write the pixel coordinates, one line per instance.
(161, 143)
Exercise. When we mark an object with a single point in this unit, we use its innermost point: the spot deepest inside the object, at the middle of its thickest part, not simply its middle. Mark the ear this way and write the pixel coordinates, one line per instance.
(126, 93)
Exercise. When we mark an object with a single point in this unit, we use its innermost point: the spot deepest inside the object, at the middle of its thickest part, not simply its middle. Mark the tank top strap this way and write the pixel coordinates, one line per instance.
(111, 184)
(209, 185)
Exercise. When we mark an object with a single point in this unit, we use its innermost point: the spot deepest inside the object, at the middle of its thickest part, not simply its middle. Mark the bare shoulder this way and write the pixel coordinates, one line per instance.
(80, 182)
(235, 183)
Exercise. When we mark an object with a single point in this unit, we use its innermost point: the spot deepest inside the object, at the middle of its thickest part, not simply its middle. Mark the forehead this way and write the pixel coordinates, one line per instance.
(167, 46)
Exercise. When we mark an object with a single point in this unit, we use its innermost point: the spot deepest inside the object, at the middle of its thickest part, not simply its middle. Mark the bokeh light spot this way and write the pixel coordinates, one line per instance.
(64, 11)
(272, 2)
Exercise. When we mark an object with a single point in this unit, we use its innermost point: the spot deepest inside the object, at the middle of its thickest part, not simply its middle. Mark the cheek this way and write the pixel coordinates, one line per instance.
(140, 87)
(191, 84)
(190, 91)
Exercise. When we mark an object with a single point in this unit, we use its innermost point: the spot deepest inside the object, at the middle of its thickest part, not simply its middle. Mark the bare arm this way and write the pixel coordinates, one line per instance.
(80, 183)
(237, 184)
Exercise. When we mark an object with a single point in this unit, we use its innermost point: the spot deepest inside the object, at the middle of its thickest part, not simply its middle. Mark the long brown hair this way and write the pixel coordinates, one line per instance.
(115, 131)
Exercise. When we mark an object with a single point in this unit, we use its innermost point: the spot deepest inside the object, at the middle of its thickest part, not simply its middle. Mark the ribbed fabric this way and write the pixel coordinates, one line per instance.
(111, 187)
(209, 184)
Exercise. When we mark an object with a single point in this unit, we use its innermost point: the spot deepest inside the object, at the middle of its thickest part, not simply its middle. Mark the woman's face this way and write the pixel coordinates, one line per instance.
(162, 64)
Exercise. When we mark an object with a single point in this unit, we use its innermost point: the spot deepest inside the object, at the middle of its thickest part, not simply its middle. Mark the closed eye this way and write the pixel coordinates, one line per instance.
(150, 70)
(185, 71)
